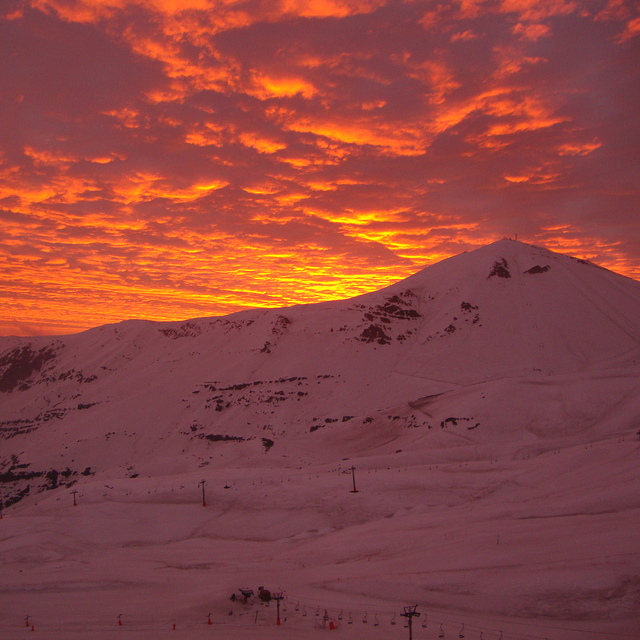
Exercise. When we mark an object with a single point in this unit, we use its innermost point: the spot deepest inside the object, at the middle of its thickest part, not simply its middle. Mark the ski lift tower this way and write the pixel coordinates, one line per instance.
(409, 614)
(277, 597)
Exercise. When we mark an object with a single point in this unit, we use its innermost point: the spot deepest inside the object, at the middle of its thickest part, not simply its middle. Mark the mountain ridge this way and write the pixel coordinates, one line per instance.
(505, 311)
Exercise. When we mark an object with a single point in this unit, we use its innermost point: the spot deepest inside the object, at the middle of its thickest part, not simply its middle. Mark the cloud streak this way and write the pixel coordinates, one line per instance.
(165, 159)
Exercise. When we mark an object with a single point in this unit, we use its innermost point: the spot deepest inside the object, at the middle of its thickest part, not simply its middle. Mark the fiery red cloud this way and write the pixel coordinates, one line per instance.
(166, 159)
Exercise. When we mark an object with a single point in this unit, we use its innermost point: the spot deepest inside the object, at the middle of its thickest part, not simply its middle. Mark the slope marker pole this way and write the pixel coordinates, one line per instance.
(353, 477)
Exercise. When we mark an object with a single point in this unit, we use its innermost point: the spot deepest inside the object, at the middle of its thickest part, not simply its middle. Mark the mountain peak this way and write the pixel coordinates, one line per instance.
(503, 259)
(480, 395)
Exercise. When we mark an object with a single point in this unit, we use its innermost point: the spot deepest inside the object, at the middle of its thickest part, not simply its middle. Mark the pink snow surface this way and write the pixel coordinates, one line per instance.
(492, 422)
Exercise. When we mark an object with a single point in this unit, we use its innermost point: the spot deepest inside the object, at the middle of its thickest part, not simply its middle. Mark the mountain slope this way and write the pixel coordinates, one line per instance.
(492, 394)
(505, 311)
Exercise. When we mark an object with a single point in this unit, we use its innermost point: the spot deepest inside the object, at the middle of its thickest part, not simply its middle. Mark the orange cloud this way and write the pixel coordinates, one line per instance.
(437, 76)
(352, 218)
(95, 10)
(184, 158)
(328, 8)
(278, 87)
(464, 35)
(631, 30)
(578, 148)
(144, 187)
(532, 31)
(535, 10)
(261, 143)
(207, 134)
(389, 139)
(538, 175)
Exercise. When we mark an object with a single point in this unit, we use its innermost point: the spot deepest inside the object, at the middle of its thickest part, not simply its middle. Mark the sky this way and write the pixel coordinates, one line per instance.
(168, 159)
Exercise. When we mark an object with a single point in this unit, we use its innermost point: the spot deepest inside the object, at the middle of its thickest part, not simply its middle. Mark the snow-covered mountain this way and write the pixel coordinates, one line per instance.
(490, 404)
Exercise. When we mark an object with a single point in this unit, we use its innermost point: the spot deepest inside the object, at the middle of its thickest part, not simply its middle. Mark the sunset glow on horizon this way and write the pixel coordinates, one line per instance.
(169, 159)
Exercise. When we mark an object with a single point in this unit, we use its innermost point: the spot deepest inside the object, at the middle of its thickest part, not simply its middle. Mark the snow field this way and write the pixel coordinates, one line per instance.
(469, 540)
